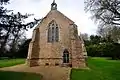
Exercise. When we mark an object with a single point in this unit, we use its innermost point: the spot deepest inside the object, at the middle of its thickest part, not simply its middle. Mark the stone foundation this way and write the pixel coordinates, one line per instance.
(78, 63)
(44, 62)
(32, 62)
(56, 62)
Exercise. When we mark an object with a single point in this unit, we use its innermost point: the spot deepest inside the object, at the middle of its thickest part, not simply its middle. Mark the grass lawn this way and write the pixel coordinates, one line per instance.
(5, 75)
(100, 69)
(11, 62)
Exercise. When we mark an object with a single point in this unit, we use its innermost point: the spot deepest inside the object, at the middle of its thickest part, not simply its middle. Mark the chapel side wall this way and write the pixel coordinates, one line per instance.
(78, 60)
(31, 45)
(34, 48)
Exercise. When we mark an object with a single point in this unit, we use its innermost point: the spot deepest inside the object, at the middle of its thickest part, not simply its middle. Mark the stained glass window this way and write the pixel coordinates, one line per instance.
(53, 32)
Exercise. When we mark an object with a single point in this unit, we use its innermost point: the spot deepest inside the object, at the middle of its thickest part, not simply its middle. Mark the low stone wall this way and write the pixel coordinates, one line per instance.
(56, 62)
(50, 61)
(44, 62)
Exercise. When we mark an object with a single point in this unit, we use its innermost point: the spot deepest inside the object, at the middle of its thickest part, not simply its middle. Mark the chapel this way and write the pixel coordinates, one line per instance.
(55, 42)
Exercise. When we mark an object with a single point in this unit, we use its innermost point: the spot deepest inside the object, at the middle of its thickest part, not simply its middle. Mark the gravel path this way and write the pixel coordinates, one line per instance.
(48, 73)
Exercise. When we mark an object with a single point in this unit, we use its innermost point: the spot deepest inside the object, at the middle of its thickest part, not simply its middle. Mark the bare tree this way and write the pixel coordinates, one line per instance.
(111, 32)
(85, 36)
(105, 12)
(11, 26)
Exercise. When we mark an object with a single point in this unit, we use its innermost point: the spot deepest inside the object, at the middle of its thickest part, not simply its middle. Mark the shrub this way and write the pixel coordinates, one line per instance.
(104, 50)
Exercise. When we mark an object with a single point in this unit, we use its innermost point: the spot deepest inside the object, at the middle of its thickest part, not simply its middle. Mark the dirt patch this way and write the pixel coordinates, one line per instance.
(48, 72)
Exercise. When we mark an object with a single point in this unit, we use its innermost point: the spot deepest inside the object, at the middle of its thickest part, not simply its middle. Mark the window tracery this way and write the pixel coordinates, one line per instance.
(53, 32)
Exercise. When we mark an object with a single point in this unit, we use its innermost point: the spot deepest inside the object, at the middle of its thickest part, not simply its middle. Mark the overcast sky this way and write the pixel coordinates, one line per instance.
(74, 9)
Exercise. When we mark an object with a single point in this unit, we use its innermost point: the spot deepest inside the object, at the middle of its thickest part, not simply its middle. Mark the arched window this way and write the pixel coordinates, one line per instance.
(49, 34)
(53, 32)
(65, 56)
(57, 34)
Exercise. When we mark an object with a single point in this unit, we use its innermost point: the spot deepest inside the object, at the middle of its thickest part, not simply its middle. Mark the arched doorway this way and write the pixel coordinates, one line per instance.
(65, 56)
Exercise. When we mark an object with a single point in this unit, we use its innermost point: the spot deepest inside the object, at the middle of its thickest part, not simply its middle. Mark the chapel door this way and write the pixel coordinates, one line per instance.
(65, 56)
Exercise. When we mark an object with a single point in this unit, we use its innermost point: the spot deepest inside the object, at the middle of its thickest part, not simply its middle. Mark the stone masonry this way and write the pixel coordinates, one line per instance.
(44, 53)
